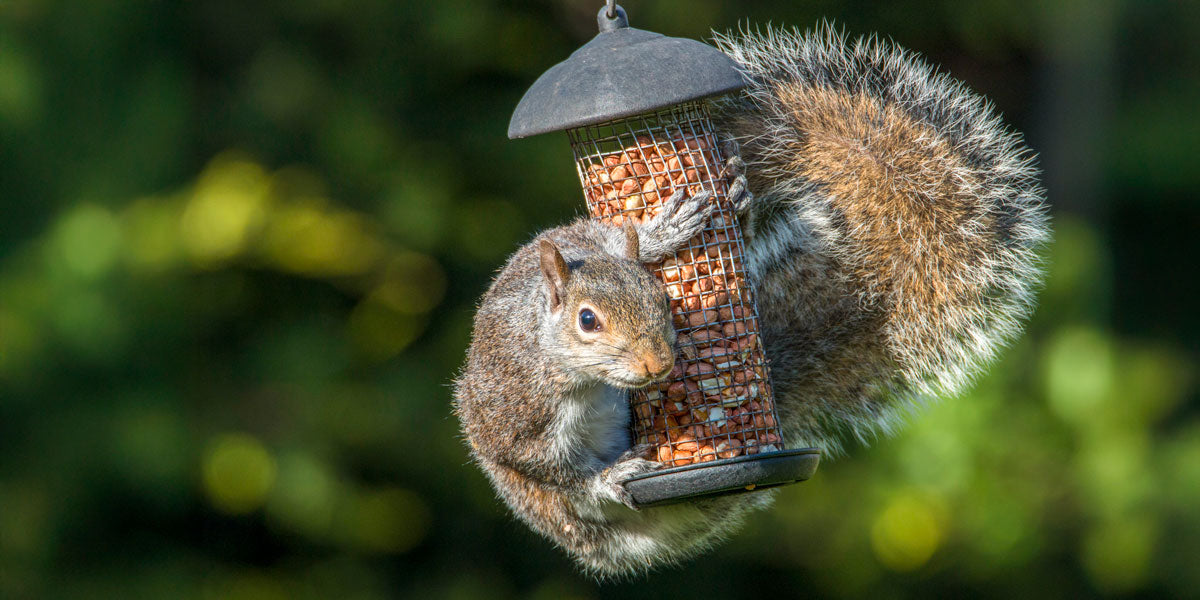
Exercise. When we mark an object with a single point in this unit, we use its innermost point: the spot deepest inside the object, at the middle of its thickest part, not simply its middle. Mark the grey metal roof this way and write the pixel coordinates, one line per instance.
(622, 72)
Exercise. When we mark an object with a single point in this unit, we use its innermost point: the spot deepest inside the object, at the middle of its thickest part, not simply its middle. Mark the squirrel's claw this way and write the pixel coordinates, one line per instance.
(739, 195)
(624, 497)
(735, 169)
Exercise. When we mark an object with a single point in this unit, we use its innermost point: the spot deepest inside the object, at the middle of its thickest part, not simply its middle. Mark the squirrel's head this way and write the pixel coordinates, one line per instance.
(610, 317)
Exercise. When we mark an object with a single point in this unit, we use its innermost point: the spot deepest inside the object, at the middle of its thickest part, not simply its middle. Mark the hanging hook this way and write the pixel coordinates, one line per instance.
(610, 18)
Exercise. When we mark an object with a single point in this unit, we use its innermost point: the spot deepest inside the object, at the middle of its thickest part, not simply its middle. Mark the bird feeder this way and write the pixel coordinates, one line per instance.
(633, 105)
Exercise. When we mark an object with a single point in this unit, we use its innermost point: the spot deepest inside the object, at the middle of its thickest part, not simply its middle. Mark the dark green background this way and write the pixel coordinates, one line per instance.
(242, 242)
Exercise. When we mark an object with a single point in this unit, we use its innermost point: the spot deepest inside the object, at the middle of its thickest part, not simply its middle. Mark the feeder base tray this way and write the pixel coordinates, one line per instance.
(728, 476)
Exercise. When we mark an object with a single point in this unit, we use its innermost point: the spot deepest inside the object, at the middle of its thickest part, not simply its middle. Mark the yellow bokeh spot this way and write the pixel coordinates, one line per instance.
(238, 473)
(312, 240)
(229, 202)
(907, 533)
(390, 521)
(379, 332)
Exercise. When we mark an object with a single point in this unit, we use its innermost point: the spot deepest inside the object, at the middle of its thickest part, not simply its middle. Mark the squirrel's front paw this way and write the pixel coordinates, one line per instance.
(612, 480)
(680, 219)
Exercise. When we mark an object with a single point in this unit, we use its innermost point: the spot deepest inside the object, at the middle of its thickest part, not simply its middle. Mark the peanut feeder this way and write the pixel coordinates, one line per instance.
(632, 103)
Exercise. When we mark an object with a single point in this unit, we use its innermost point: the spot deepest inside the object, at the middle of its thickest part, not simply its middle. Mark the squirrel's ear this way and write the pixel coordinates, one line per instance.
(554, 270)
(632, 244)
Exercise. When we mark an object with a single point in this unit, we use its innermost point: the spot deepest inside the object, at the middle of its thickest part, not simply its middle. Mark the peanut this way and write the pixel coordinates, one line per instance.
(676, 391)
(669, 270)
(729, 448)
(634, 202)
(703, 318)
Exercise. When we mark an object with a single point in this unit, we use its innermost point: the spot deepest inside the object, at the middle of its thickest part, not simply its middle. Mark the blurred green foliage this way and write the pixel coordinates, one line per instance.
(242, 244)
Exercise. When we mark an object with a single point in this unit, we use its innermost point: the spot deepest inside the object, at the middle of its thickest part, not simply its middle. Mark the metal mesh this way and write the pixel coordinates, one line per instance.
(717, 402)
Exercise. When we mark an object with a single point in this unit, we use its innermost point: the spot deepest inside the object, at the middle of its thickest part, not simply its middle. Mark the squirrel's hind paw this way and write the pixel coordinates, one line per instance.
(735, 170)
(612, 480)
(734, 167)
(740, 195)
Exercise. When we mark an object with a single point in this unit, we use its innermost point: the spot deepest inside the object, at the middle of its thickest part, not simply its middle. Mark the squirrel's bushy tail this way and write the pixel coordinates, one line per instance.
(915, 199)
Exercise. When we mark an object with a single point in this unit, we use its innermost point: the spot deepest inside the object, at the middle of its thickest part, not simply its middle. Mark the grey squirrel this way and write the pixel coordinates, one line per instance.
(892, 228)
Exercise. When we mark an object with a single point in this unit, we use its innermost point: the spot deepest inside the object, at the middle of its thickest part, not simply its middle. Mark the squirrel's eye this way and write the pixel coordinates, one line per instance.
(588, 320)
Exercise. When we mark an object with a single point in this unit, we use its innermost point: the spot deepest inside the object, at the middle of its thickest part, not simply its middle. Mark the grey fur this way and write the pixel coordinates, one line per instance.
(545, 408)
(801, 254)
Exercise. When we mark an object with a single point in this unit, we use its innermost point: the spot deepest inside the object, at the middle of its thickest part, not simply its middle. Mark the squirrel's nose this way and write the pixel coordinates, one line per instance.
(657, 367)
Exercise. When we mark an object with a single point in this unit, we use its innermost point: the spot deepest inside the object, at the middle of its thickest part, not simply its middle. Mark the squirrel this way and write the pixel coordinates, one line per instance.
(892, 228)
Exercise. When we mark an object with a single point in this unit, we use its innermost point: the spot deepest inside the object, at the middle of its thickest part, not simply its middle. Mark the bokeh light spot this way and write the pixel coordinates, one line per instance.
(1080, 372)
(379, 332)
(230, 200)
(88, 240)
(304, 497)
(906, 534)
(311, 240)
(238, 473)
(413, 284)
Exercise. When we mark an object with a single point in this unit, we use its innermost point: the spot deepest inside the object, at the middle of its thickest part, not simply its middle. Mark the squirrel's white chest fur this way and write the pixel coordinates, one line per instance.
(594, 420)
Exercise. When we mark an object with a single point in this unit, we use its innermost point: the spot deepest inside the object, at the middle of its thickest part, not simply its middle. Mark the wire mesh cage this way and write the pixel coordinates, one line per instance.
(717, 401)
(712, 423)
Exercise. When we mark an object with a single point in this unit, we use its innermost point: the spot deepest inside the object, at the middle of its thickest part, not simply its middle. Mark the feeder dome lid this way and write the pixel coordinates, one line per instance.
(620, 73)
